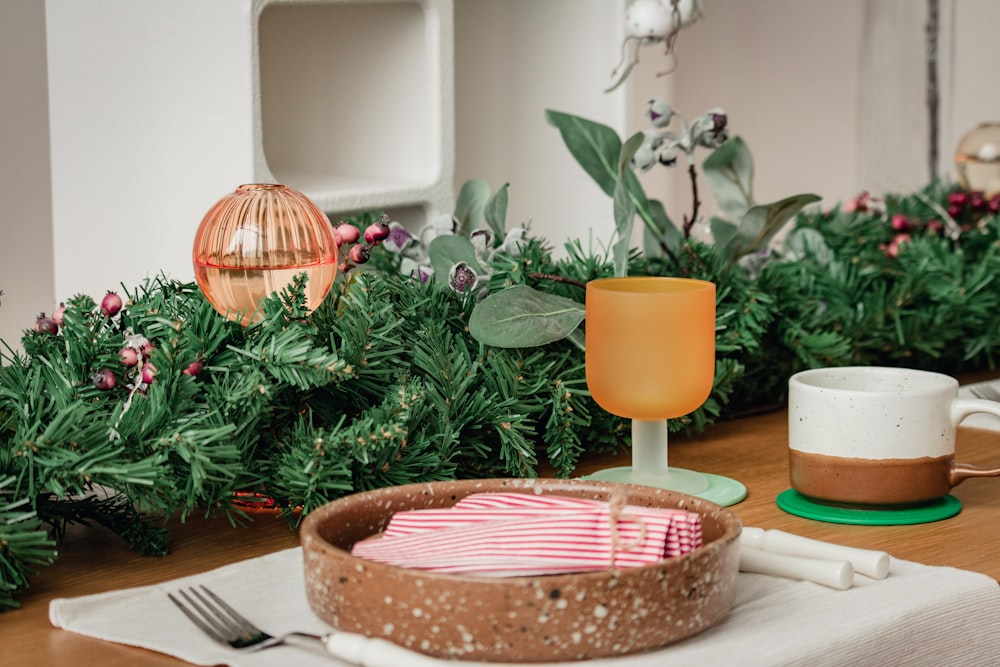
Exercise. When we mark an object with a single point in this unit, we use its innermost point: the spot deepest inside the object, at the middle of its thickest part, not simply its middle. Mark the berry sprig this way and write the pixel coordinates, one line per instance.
(967, 212)
(137, 370)
(351, 250)
(969, 208)
(134, 356)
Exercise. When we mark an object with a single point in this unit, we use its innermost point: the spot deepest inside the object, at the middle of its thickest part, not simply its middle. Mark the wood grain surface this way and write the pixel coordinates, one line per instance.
(752, 450)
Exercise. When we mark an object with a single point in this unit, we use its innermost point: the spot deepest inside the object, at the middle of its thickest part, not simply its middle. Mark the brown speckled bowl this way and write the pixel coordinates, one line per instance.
(517, 619)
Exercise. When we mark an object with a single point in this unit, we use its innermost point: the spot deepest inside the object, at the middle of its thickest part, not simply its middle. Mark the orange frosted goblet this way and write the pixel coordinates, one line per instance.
(651, 357)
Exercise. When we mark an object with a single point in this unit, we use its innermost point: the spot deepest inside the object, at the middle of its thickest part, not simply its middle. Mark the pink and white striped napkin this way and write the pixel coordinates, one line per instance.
(516, 534)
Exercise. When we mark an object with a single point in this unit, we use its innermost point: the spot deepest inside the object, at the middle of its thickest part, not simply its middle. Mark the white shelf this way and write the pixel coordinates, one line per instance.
(160, 109)
(353, 100)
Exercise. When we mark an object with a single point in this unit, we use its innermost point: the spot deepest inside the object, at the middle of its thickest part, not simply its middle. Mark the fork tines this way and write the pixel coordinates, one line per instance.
(216, 618)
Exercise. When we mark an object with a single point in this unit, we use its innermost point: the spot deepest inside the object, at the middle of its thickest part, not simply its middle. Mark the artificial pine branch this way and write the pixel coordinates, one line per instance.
(382, 383)
(24, 545)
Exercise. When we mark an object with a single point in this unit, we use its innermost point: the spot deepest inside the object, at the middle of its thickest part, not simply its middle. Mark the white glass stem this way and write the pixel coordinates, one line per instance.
(649, 447)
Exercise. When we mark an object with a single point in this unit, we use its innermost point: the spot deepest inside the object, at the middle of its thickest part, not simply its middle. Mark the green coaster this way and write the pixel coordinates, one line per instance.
(795, 503)
(720, 490)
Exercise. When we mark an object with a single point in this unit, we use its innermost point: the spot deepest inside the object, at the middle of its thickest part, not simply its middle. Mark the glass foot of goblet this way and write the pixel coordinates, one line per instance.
(649, 468)
(714, 488)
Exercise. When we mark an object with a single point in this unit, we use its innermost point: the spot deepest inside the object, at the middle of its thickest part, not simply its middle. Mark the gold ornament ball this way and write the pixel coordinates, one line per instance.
(977, 160)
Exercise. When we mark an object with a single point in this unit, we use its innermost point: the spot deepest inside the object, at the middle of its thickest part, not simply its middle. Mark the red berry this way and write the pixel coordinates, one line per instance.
(376, 232)
(58, 314)
(347, 232)
(892, 250)
(958, 199)
(128, 356)
(193, 369)
(935, 226)
(104, 379)
(111, 304)
(45, 324)
(360, 254)
(146, 349)
(954, 210)
(899, 223)
(148, 372)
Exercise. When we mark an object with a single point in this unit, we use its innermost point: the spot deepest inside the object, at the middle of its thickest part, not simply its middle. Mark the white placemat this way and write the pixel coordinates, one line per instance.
(919, 615)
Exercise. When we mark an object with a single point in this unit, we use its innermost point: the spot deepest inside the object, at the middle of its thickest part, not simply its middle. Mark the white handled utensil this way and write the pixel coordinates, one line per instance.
(874, 564)
(833, 573)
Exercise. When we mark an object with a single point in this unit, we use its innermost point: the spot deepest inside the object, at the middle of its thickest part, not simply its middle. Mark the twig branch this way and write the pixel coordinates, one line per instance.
(695, 203)
(556, 278)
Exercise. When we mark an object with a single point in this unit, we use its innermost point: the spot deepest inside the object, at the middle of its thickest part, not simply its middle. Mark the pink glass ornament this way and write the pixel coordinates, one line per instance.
(254, 241)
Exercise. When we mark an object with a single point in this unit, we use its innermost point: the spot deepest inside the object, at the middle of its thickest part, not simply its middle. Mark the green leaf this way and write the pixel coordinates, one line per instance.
(496, 213)
(448, 250)
(596, 147)
(471, 204)
(729, 171)
(624, 208)
(806, 242)
(762, 222)
(521, 316)
(661, 232)
(723, 231)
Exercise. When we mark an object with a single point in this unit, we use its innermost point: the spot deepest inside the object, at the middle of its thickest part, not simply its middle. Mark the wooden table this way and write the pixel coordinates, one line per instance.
(752, 450)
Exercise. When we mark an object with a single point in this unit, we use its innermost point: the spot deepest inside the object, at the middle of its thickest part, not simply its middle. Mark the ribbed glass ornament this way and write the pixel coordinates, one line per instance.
(254, 241)
(977, 159)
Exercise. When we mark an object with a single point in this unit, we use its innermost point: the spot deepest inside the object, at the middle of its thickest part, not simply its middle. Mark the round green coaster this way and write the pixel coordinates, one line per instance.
(719, 490)
(795, 503)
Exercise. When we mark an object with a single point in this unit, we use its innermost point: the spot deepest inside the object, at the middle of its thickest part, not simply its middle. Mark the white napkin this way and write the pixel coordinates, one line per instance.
(919, 615)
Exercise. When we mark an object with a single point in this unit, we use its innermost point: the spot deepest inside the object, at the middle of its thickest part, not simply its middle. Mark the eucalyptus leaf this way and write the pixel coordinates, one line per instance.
(762, 222)
(496, 213)
(661, 232)
(447, 251)
(521, 316)
(729, 172)
(470, 206)
(723, 231)
(595, 147)
(805, 243)
(598, 148)
(624, 208)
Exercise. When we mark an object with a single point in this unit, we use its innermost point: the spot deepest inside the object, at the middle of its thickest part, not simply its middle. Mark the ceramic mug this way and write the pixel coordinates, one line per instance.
(868, 435)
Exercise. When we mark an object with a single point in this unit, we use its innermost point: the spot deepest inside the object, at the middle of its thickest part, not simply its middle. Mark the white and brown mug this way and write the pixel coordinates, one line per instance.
(877, 436)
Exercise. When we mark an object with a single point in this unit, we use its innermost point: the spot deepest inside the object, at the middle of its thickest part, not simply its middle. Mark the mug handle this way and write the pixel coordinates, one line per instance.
(960, 409)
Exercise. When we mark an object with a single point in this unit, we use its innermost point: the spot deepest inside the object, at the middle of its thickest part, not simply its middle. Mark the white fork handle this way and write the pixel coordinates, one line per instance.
(874, 564)
(370, 652)
(833, 573)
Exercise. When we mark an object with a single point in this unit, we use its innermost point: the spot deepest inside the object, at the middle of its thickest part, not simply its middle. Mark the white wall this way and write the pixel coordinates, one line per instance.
(514, 60)
(827, 94)
(26, 266)
(830, 96)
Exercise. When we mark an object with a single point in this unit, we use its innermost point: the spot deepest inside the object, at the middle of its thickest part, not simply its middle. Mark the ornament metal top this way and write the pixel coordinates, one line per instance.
(254, 241)
(977, 160)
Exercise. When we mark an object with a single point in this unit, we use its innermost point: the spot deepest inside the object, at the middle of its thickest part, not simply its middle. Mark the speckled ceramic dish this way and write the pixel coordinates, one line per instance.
(517, 619)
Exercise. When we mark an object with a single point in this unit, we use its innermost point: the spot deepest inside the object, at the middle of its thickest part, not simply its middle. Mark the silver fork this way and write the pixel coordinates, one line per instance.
(217, 619)
(221, 622)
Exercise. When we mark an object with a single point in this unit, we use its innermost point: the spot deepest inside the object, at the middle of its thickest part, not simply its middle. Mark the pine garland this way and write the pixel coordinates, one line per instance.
(383, 384)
